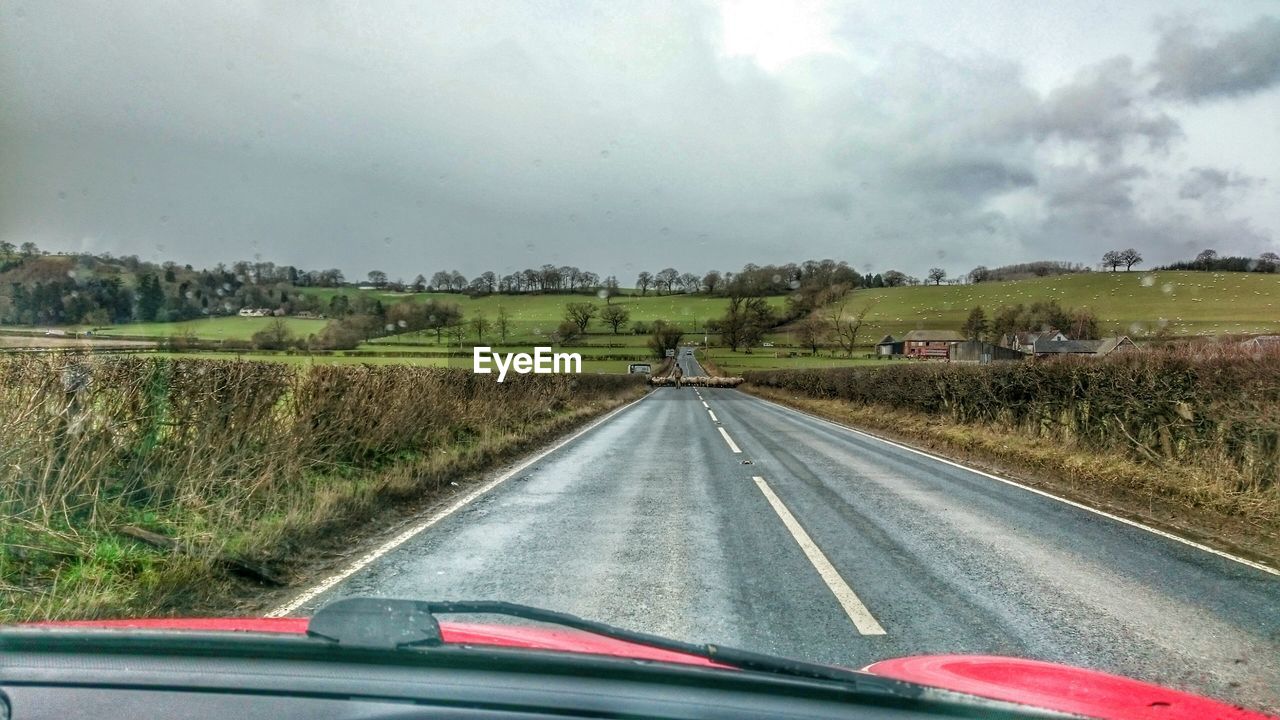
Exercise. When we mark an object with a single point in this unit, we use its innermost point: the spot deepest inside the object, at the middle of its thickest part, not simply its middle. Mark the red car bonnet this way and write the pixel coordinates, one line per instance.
(1030, 682)
(1058, 687)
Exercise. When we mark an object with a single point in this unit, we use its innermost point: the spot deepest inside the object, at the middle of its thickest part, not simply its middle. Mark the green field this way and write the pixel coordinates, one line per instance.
(1135, 303)
(736, 363)
(589, 365)
(536, 316)
(218, 328)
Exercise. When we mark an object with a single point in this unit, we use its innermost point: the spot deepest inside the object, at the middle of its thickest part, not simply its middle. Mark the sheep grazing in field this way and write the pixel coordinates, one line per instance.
(694, 381)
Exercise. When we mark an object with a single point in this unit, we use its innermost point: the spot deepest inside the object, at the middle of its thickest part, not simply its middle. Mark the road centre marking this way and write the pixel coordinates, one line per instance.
(1006, 481)
(713, 415)
(848, 599)
(705, 405)
(732, 445)
(434, 518)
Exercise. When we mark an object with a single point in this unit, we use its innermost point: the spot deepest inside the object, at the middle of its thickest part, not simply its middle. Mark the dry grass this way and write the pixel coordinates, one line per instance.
(232, 459)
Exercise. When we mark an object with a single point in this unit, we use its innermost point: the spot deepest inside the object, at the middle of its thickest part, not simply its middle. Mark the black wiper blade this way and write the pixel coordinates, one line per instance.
(390, 623)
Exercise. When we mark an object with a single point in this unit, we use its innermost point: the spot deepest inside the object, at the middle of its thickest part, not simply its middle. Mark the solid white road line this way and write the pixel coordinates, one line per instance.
(732, 445)
(1006, 481)
(712, 413)
(403, 537)
(853, 607)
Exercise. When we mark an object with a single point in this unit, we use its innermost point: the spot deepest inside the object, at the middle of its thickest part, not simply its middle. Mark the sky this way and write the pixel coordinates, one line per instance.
(413, 137)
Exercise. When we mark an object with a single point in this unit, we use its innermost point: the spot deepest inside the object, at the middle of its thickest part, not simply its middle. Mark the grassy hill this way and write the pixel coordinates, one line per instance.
(1134, 303)
(216, 328)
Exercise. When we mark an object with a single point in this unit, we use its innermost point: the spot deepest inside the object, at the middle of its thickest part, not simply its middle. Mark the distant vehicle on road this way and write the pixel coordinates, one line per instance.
(768, 344)
(640, 369)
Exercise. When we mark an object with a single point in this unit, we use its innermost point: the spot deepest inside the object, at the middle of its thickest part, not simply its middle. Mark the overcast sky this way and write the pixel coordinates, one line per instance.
(622, 136)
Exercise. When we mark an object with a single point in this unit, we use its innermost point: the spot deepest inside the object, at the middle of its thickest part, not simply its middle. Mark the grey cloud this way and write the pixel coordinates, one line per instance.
(1074, 188)
(603, 135)
(1105, 107)
(1191, 66)
(1204, 181)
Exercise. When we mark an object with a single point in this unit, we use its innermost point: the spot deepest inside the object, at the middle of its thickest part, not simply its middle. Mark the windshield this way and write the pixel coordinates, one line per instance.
(832, 330)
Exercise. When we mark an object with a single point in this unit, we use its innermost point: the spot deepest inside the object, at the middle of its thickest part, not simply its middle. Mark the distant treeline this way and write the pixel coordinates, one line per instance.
(1022, 271)
(43, 289)
(1267, 262)
(752, 279)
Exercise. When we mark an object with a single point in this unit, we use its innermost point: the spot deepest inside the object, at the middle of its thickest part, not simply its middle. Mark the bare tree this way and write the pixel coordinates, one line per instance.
(711, 281)
(666, 278)
(610, 288)
(1111, 259)
(937, 275)
(481, 325)
(845, 327)
(1129, 257)
(1206, 258)
(441, 281)
(615, 316)
(745, 321)
(643, 282)
(690, 283)
(894, 278)
(377, 278)
(812, 330)
(580, 314)
(502, 323)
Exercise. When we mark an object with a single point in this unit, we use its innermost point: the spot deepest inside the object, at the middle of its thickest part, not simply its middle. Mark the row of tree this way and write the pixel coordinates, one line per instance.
(1267, 262)
(751, 280)
(1075, 323)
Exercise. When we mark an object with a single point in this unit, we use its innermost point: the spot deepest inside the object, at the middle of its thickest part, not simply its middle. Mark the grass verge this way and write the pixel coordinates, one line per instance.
(243, 470)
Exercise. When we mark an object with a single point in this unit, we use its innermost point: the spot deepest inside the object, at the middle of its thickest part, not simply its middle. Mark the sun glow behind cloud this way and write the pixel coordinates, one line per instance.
(774, 33)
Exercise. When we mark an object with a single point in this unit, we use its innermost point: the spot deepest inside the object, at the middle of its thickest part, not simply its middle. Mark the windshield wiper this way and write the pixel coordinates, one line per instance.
(396, 624)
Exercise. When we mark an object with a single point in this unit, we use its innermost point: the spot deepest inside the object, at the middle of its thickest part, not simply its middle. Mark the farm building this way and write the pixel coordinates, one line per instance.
(1094, 348)
(888, 347)
(930, 344)
(1024, 341)
(976, 351)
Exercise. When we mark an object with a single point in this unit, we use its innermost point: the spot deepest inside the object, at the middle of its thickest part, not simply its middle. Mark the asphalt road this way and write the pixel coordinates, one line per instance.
(846, 550)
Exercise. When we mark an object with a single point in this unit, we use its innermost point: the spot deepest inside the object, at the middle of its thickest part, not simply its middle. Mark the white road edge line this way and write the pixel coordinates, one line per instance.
(1037, 491)
(395, 542)
(732, 445)
(848, 599)
(712, 413)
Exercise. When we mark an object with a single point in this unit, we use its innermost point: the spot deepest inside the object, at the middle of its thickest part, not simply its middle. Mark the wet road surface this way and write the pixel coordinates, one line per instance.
(816, 542)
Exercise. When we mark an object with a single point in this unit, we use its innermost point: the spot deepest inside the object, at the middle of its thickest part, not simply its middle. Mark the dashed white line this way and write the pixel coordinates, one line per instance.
(732, 445)
(395, 542)
(1051, 496)
(848, 599)
(705, 405)
(712, 413)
